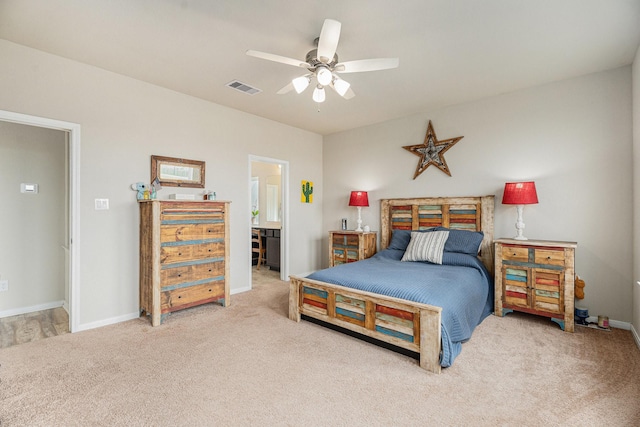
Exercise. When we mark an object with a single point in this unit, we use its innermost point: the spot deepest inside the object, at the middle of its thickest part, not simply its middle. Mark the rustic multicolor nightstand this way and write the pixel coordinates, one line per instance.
(536, 277)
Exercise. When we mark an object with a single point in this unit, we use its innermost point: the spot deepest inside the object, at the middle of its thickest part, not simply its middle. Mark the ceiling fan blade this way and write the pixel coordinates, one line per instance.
(286, 89)
(328, 42)
(367, 65)
(277, 58)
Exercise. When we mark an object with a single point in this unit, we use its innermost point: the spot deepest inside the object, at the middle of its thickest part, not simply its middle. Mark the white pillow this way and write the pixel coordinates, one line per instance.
(426, 246)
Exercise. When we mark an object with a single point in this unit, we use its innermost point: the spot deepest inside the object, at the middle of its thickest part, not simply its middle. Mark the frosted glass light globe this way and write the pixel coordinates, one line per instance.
(324, 76)
(318, 94)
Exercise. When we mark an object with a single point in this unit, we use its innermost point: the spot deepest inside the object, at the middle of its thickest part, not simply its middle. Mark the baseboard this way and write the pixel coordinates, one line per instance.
(31, 309)
(635, 336)
(106, 322)
(613, 323)
(130, 316)
(239, 291)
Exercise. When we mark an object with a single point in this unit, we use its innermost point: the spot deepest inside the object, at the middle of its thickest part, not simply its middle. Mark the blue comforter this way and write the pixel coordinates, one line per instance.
(461, 286)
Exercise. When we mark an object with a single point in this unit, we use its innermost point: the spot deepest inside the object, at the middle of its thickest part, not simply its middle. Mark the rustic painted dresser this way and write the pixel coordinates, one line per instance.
(536, 277)
(349, 246)
(184, 255)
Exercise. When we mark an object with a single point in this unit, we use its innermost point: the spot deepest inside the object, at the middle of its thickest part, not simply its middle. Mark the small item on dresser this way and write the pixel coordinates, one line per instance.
(344, 223)
(180, 196)
(366, 229)
(139, 188)
(155, 187)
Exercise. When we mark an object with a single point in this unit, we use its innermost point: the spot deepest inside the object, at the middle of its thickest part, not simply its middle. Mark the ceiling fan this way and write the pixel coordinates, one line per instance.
(324, 67)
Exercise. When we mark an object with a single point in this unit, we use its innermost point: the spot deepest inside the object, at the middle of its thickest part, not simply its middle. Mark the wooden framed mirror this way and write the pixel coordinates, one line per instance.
(174, 172)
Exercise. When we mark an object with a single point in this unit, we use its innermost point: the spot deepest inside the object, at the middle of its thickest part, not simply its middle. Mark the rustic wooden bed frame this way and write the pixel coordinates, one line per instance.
(402, 323)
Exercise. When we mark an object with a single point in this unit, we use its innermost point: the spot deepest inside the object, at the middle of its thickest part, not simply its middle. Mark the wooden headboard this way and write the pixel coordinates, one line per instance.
(461, 213)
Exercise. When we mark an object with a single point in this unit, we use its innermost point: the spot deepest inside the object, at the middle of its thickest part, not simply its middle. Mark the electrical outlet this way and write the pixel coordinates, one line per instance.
(4, 285)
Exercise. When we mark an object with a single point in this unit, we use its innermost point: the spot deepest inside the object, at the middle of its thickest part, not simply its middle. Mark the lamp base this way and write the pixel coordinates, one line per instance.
(519, 223)
(359, 228)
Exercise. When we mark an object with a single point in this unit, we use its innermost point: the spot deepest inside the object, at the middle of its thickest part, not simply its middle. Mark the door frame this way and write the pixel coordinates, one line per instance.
(284, 220)
(73, 131)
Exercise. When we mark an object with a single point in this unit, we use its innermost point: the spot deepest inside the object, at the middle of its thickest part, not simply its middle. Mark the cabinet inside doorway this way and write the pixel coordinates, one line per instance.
(271, 242)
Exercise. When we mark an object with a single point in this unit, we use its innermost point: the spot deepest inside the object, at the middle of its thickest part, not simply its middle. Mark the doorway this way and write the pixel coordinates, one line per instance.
(269, 202)
(71, 236)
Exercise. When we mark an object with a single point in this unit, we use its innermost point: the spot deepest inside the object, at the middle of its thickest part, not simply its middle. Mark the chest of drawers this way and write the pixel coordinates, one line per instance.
(184, 255)
(349, 246)
(537, 277)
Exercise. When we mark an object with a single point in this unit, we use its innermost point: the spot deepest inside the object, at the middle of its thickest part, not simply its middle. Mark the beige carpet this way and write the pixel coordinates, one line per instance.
(249, 365)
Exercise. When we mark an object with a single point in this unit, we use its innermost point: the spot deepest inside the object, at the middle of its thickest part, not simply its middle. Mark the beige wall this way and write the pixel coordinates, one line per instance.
(32, 226)
(572, 137)
(636, 196)
(123, 122)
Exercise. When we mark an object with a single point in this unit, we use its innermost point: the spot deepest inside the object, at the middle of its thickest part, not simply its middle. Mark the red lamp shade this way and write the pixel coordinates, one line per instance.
(359, 198)
(520, 193)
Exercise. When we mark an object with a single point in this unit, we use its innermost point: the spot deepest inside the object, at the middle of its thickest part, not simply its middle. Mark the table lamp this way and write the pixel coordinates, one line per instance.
(359, 199)
(520, 194)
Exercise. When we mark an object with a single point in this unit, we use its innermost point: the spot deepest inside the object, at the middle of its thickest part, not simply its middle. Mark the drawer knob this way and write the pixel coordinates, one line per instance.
(179, 275)
(548, 257)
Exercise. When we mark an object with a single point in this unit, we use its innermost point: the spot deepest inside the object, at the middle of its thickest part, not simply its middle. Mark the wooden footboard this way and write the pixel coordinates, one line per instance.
(406, 324)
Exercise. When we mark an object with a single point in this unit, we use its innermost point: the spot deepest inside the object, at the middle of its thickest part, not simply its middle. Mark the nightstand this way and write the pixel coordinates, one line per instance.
(536, 277)
(350, 246)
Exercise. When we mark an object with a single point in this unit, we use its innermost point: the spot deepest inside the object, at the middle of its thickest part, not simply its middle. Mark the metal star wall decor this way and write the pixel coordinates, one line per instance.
(431, 151)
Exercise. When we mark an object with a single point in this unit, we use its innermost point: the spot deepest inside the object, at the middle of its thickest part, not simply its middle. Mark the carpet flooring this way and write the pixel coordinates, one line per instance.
(249, 365)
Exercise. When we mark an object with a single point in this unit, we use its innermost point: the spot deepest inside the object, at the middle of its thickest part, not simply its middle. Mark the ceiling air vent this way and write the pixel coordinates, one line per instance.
(243, 87)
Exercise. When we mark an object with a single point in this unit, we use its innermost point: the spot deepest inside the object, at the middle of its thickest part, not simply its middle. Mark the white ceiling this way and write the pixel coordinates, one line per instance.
(450, 51)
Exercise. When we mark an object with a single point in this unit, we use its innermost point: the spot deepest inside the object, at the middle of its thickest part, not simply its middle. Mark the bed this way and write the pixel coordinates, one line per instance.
(367, 296)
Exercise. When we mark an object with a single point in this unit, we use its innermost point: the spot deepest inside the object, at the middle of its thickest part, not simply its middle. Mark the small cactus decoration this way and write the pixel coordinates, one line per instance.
(307, 192)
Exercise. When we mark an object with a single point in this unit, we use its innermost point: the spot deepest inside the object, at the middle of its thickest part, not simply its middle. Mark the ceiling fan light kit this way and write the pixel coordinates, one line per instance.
(323, 65)
(301, 83)
(318, 94)
(340, 85)
(324, 76)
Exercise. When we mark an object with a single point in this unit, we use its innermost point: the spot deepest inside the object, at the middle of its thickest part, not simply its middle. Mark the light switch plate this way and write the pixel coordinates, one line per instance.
(29, 188)
(4, 285)
(102, 204)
